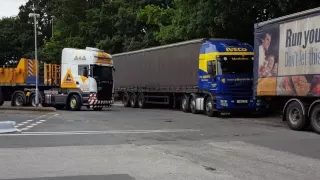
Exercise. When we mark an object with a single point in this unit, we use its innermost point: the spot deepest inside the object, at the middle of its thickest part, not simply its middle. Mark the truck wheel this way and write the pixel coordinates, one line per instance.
(209, 107)
(184, 104)
(294, 117)
(19, 99)
(192, 104)
(141, 101)
(32, 100)
(133, 100)
(75, 102)
(126, 99)
(315, 118)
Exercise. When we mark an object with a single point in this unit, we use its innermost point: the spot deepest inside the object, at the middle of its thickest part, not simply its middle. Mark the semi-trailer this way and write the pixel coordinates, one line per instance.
(287, 67)
(84, 78)
(200, 75)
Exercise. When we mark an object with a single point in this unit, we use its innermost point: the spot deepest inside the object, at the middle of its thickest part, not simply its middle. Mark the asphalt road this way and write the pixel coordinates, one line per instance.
(124, 143)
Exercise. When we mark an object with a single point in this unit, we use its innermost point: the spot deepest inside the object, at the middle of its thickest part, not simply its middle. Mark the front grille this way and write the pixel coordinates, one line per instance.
(243, 88)
(105, 92)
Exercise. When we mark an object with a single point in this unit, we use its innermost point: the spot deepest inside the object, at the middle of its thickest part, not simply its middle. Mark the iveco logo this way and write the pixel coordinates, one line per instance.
(236, 49)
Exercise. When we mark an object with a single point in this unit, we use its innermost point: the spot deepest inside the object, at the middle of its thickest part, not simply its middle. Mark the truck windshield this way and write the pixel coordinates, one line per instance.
(103, 73)
(235, 67)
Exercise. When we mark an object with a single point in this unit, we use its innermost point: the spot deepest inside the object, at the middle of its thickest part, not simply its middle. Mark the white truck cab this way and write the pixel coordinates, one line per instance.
(86, 79)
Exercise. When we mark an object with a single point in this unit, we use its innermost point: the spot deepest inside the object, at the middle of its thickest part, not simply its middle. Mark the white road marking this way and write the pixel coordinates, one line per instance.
(35, 123)
(101, 132)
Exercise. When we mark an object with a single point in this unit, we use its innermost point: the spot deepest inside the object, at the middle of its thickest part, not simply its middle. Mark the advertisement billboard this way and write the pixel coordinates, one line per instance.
(287, 58)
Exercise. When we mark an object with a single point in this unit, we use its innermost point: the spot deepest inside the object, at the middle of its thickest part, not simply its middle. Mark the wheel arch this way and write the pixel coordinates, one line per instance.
(71, 94)
(289, 102)
(314, 103)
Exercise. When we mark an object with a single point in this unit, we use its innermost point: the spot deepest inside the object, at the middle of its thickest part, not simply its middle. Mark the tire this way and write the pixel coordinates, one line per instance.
(19, 99)
(294, 117)
(184, 104)
(192, 104)
(133, 100)
(141, 101)
(32, 99)
(74, 102)
(315, 119)
(126, 99)
(209, 107)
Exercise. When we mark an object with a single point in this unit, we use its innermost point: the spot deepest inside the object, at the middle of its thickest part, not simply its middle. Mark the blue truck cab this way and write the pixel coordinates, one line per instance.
(226, 73)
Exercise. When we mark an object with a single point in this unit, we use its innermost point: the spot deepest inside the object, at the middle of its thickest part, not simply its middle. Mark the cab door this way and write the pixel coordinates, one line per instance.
(212, 75)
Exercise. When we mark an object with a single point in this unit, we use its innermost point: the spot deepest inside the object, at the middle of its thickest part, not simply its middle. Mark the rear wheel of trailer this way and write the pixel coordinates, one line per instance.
(295, 116)
(315, 118)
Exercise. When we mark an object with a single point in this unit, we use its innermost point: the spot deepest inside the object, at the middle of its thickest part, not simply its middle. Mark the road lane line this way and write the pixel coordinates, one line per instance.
(101, 132)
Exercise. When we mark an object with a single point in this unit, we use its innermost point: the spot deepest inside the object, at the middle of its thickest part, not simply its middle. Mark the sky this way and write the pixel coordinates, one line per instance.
(10, 7)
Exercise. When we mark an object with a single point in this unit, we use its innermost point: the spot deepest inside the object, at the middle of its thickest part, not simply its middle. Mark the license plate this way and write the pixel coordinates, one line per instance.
(242, 101)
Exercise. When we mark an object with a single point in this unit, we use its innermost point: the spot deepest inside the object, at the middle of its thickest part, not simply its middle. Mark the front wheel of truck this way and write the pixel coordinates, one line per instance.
(74, 103)
(209, 107)
(294, 116)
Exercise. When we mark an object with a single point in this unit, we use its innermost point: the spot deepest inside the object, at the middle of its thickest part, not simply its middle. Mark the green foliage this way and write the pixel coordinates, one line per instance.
(124, 25)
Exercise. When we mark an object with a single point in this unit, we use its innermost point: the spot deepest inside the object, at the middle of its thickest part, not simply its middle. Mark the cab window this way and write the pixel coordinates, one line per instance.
(211, 67)
(83, 70)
